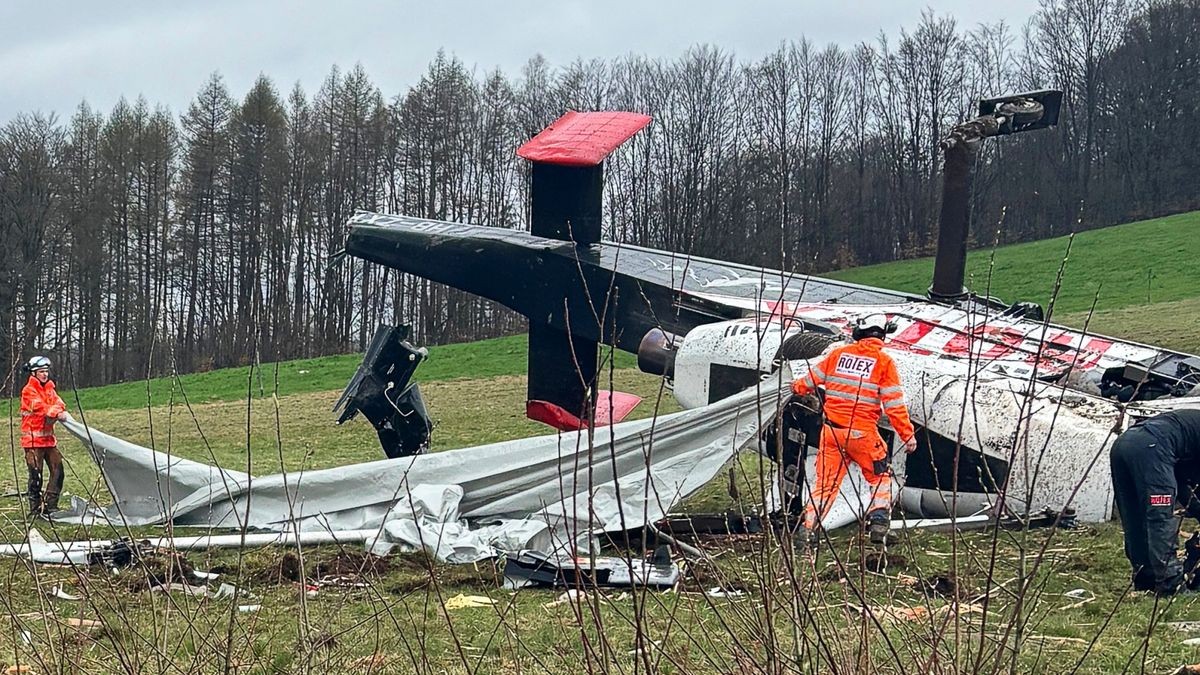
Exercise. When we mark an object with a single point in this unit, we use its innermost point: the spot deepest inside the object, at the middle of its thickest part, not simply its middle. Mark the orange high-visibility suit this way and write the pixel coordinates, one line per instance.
(40, 407)
(861, 384)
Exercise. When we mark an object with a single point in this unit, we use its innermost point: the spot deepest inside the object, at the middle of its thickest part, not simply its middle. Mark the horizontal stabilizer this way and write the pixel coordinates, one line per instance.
(614, 406)
(611, 408)
(553, 415)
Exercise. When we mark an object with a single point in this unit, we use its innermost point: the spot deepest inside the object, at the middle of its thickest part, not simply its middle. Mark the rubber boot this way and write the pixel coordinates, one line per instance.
(878, 524)
(1143, 580)
(805, 540)
(35, 492)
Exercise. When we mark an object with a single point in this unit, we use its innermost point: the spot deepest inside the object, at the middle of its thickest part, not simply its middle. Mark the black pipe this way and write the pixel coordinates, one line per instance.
(950, 266)
(997, 116)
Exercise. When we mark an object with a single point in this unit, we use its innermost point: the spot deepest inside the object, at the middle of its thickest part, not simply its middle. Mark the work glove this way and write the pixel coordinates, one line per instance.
(910, 446)
(810, 402)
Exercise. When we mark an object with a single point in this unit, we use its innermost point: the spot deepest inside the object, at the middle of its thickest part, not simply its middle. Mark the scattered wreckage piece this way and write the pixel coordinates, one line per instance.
(57, 592)
(531, 568)
(382, 391)
(224, 591)
(463, 601)
(710, 526)
(1065, 520)
(548, 493)
(125, 552)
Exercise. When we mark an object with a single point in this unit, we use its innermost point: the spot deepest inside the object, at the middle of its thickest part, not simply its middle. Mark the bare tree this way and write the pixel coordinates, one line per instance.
(138, 239)
(31, 149)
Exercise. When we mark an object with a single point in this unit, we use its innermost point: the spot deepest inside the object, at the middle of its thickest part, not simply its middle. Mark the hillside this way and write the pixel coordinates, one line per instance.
(483, 359)
(1134, 264)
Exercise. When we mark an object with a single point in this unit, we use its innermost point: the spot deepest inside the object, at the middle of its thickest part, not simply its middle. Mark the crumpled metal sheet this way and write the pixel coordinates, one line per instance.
(547, 492)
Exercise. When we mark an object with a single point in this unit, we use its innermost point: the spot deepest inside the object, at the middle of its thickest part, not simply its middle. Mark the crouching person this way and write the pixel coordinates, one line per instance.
(41, 407)
(1150, 463)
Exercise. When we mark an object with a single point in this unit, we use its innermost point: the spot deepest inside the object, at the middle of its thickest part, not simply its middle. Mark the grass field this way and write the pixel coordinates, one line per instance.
(1138, 263)
(483, 359)
(1142, 278)
(1024, 601)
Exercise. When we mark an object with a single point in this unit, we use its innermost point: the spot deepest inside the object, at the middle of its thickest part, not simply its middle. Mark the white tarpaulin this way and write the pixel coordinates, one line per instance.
(546, 492)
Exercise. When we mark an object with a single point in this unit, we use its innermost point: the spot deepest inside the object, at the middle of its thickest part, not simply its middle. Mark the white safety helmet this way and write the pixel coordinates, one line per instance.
(873, 325)
(37, 363)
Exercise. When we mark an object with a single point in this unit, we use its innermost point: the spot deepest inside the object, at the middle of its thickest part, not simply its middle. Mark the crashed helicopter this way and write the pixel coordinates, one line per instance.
(1014, 413)
(1012, 410)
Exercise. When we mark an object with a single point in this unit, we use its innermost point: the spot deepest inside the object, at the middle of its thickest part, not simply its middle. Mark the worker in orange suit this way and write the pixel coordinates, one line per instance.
(41, 407)
(861, 384)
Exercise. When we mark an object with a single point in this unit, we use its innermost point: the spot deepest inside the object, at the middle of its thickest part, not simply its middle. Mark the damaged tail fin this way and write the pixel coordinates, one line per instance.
(563, 383)
(566, 204)
(562, 371)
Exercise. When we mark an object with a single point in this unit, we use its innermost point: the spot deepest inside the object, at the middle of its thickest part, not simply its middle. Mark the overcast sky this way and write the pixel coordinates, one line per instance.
(56, 53)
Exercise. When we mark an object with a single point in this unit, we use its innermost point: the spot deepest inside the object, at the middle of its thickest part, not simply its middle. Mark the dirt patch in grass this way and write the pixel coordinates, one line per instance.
(286, 567)
(882, 561)
(948, 586)
(156, 569)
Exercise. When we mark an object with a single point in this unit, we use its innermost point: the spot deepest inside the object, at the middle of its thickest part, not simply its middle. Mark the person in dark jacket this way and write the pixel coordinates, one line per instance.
(1155, 465)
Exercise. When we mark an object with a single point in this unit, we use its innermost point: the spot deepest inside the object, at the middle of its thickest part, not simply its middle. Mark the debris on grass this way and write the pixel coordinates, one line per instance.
(57, 592)
(945, 585)
(725, 592)
(200, 591)
(462, 601)
(348, 581)
(650, 645)
(229, 590)
(948, 586)
(1083, 595)
(572, 595)
(186, 589)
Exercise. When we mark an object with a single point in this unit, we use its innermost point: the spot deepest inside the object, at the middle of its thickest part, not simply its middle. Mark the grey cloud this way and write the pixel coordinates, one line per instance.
(53, 55)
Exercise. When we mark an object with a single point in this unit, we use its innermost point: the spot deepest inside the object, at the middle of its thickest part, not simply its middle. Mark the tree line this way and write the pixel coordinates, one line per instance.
(140, 242)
